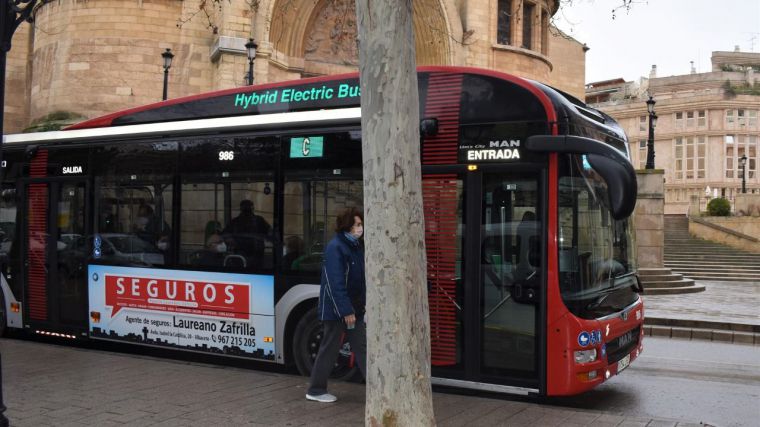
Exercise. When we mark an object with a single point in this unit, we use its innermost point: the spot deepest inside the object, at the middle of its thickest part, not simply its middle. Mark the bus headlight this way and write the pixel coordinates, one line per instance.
(585, 356)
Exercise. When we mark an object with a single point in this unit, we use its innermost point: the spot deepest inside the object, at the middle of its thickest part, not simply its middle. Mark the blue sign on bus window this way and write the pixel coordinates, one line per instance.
(306, 147)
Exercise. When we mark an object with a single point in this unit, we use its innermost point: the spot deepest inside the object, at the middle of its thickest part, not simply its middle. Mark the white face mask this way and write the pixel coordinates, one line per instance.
(162, 245)
(222, 247)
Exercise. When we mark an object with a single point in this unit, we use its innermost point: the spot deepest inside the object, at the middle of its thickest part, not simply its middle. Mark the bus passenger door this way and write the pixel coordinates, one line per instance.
(510, 278)
(56, 253)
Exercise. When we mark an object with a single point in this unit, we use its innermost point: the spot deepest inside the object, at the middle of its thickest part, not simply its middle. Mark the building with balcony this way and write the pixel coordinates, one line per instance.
(707, 122)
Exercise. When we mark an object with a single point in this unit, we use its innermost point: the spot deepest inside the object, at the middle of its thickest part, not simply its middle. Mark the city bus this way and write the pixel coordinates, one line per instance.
(198, 224)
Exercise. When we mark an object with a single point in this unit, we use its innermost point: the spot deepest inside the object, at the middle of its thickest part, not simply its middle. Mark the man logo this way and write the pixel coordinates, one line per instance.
(512, 143)
(625, 339)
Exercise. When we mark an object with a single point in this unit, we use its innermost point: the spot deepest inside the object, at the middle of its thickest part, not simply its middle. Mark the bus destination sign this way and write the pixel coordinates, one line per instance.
(307, 147)
(496, 150)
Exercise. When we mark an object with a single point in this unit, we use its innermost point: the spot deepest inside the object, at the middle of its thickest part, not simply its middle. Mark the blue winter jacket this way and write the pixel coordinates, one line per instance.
(343, 290)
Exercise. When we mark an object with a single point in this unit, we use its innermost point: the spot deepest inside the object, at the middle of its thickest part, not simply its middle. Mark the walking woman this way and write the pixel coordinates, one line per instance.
(342, 298)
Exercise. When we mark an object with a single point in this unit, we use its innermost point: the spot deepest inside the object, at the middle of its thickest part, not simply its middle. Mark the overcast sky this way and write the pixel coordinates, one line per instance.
(668, 33)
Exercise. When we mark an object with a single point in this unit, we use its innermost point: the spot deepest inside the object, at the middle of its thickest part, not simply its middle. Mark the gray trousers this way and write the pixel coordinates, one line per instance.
(328, 352)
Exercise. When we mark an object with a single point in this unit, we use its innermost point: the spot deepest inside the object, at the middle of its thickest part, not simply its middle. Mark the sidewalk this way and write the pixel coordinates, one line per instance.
(51, 385)
(725, 311)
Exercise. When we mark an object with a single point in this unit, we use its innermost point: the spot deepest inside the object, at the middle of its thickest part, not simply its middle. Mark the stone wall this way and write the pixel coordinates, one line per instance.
(731, 231)
(101, 56)
(649, 219)
(17, 76)
(569, 59)
(747, 204)
(230, 68)
(521, 62)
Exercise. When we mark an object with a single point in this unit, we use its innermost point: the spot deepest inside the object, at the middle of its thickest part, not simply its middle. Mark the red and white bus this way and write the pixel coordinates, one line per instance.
(125, 227)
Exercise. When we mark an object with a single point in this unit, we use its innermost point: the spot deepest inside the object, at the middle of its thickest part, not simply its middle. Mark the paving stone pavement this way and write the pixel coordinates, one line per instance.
(725, 312)
(730, 302)
(53, 385)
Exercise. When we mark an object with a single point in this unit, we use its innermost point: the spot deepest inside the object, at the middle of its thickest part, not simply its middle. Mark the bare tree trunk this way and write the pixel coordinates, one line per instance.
(398, 331)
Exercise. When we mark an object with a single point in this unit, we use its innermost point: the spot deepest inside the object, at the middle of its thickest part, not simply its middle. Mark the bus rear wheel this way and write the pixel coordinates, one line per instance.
(306, 339)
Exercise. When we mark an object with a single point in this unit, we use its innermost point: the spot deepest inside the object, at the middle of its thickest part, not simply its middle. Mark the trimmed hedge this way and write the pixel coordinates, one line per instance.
(719, 207)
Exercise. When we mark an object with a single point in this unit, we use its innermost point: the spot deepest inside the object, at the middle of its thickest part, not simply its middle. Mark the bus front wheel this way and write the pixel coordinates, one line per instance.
(306, 339)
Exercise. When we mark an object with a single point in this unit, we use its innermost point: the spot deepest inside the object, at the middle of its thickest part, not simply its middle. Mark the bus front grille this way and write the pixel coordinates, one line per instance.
(619, 347)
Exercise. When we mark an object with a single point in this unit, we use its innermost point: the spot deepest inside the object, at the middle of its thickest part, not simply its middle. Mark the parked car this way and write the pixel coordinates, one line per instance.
(129, 249)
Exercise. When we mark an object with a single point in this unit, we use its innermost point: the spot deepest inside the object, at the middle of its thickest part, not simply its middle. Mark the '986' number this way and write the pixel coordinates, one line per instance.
(226, 155)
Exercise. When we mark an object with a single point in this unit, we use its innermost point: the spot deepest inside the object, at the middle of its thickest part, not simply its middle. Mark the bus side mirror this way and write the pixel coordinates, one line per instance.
(638, 286)
(621, 186)
(611, 164)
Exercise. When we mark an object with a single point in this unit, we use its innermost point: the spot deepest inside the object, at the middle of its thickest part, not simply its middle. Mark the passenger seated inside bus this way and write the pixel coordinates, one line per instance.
(293, 251)
(247, 233)
(212, 227)
(213, 253)
(151, 228)
(107, 219)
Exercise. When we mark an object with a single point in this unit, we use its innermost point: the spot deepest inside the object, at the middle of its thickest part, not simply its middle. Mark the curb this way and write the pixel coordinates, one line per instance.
(704, 330)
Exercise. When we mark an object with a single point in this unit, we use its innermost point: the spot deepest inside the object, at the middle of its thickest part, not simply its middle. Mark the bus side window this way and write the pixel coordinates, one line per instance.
(310, 209)
(201, 219)
(228, 225)
(9, 246)
(249, 233)
(133, 223)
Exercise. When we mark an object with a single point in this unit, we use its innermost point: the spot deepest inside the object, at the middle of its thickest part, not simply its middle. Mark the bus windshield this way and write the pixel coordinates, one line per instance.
(596, 252)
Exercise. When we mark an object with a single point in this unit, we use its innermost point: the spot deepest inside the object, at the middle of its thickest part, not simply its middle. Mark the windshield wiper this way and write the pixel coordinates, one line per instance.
(604, 293)
(601, 298)
(614, 280)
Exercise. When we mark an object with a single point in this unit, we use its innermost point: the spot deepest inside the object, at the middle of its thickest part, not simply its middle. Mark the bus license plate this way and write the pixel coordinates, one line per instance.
(624, 362)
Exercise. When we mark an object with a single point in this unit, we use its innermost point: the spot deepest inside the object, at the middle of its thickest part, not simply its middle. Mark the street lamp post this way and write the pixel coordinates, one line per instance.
(168, 56)
(250, 48)
(743, 162)
(652, 125)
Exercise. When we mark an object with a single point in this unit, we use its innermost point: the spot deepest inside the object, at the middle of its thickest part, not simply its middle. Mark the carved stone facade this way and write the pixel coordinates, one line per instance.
(92, 57)
(332, 37)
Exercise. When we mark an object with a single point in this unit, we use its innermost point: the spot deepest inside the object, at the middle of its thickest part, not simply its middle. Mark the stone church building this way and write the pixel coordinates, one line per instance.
(85, 58)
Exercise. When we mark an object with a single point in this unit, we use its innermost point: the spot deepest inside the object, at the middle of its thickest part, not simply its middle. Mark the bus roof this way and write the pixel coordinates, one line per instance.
(457, 96)
(316, 93)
